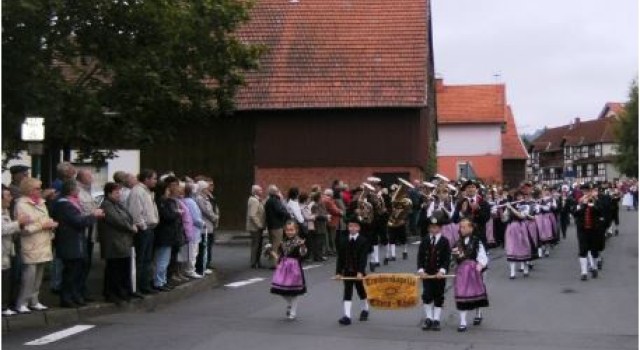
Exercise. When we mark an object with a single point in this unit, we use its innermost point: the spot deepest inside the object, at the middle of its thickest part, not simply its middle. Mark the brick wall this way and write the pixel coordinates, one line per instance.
(488, 168)
(305, 178)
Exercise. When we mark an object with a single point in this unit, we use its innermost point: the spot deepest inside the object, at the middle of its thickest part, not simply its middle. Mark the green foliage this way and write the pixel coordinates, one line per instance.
(119, 73)
(627, 135)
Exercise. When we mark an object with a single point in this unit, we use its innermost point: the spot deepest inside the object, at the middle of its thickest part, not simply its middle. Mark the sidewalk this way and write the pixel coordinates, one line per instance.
(56, 316)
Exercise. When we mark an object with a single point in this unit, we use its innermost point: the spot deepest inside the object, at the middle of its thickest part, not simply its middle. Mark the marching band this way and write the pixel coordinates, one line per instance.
(458, 223)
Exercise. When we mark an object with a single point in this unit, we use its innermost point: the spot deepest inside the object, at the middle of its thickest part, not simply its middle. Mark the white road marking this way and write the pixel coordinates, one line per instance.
(311, 267)
(244, 283)
(60, 335)
(416, 243)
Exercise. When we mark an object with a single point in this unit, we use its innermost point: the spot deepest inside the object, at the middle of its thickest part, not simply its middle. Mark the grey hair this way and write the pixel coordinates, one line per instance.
(62, 168)
(273, 189)
(68, 187)
(255, 189)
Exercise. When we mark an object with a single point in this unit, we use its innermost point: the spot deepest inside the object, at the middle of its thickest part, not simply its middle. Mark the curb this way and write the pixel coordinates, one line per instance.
(59, 317)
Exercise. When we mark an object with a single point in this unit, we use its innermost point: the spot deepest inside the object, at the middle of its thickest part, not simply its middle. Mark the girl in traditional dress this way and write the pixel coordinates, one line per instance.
(469, 288)
(444, 203)
(288, 278)
(517, 242)
(546, 222)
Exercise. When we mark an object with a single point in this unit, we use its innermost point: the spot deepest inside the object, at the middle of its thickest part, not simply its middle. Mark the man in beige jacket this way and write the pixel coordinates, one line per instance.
(256, 224)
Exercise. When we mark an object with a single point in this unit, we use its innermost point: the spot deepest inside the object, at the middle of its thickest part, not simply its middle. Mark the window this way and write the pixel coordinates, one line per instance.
(584, 151)
(568, 154)
(592, 151)
(602, 170)
(579, 171)
(598, 150)
(589, 169)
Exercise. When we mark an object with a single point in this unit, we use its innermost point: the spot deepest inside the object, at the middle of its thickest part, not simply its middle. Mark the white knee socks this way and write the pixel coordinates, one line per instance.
(590, 259)
(393, 250)
(463, 318)
(404, 249)
(512, 269)
(436, 313)
(428, 311)
(583, 266)
(374, 255)
(364, 305)
(294, 306)
(478, 312)
(347, 308)
(387, 251)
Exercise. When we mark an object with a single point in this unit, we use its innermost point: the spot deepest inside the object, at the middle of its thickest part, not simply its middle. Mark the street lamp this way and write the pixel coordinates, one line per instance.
(33, 135)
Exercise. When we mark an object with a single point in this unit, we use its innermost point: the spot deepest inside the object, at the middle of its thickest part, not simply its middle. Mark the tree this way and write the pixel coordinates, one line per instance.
(113, 73)
(627, 135)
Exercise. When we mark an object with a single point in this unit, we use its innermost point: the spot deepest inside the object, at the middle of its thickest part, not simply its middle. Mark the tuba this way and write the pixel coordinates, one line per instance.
(364, 208)
(401, 205)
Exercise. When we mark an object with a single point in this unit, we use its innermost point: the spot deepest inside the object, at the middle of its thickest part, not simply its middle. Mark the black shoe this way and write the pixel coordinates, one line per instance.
(136, 295)
(68, 304)
(477, 321)
(385, 261)
(512, 277)
(462, 328)
(599, 264)
(594, 273)
(405, 255)
(364, 315)
(616, 232)
(435, 326)
(393, 258)
(80, 302)
(372, 267)
(166, 288)
(377, 264)
(427, 324)
(583, 277)
(345, 321)
(530, 266)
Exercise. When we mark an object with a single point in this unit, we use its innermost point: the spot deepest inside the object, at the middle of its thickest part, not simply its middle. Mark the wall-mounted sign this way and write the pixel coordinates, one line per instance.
(33, 129)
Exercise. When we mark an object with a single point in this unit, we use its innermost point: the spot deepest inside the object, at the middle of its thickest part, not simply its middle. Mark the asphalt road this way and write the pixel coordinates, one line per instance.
(552, 309)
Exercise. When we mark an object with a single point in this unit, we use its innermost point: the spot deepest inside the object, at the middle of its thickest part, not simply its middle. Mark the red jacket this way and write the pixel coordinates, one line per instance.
(333, 210)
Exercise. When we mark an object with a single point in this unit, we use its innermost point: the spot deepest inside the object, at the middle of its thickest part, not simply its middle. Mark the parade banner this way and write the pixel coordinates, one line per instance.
(392, 291)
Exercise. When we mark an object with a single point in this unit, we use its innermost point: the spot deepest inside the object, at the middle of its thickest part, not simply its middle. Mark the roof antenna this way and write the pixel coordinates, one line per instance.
(497, 76)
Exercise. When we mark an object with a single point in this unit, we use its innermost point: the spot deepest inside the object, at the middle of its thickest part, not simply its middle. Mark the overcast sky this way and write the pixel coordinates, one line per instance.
(559, 59)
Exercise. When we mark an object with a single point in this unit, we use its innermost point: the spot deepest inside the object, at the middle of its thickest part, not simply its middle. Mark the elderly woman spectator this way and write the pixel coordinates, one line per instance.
(255, 224)
(35, 242)
(71, 242)
(115, 234)
(169, 233)
(210, 217)
(293, 206)
(194, 231)
(9, 229)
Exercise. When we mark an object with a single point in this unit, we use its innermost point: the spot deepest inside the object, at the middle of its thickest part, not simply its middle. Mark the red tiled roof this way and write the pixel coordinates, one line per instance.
(590, 132)
(337, 53)
(577, 134)
(471, 104)
(615, 107)
(551, 139)
(512, 146)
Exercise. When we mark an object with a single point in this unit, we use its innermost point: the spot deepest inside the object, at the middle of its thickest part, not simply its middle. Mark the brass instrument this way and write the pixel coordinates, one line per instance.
(364, 209)
(401, 204)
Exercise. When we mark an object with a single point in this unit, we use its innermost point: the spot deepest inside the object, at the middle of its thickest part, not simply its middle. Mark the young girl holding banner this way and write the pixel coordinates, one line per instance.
(469, 289)
(288, 279)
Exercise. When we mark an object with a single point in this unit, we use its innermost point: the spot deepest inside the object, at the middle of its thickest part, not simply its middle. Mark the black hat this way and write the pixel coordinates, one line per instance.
(467, 184)
(438, 218)
(354, 219)
(17, 169)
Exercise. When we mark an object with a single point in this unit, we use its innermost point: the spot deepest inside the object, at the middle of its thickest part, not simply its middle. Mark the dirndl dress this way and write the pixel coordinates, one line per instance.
(469, 288)
(288, 278)
(517, 243)
(545, 227)
(451, 232)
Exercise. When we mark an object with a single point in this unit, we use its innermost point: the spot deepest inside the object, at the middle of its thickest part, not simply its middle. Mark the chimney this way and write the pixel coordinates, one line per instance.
(439, 85)
(576, 121)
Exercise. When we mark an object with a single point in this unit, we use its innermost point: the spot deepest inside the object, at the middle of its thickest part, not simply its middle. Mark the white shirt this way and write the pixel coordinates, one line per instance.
(450, 208)
(296, 212)
(353, 237)
(482, 257)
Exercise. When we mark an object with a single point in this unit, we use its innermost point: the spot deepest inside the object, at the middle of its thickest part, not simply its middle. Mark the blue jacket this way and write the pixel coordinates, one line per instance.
(71, 237)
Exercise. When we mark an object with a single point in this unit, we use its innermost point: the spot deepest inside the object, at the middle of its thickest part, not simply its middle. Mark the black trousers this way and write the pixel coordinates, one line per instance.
(201, 263)
(590, 241)
(564, 223)
(379, 235)
(143, 242)
(6, 288)
(398, 235)
(348, 289)
(87, 268)
(73, 272)
(315, 241)
(117, 278)
(433, 291)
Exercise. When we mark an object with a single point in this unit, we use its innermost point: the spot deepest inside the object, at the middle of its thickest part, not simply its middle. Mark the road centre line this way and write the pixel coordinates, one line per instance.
(244, 283)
